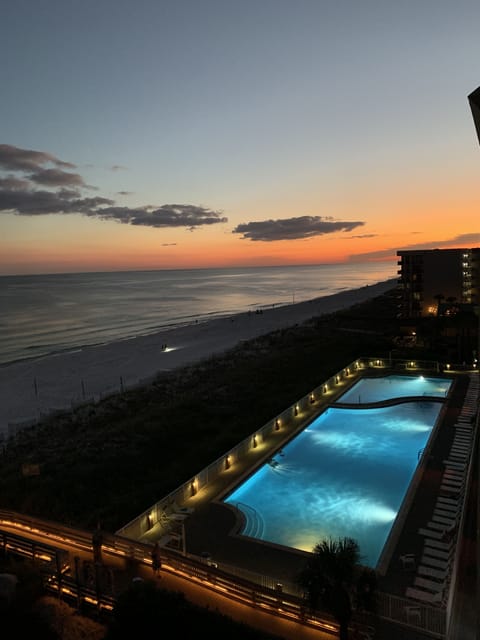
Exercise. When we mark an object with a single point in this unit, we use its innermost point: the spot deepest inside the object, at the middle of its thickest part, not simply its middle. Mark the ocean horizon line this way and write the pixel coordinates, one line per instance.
(226, 268)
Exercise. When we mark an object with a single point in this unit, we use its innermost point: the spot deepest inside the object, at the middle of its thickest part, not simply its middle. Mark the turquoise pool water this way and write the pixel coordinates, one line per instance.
(346, 474)
(396, 386)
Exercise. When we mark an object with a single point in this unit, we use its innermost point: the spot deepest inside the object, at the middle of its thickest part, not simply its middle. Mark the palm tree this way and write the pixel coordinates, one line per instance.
(452, 306)
(328, 578)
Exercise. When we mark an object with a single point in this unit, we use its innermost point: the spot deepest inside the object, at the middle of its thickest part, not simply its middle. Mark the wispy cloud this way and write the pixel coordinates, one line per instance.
(363, 235)
(293, 228)
(465, 240)
(43, 189)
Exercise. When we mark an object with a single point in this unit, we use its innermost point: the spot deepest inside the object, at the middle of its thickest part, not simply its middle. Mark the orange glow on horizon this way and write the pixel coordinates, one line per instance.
(47, 244)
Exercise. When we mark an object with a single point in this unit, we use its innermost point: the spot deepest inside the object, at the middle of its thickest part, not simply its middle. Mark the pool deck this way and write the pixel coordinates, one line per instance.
(212, 527)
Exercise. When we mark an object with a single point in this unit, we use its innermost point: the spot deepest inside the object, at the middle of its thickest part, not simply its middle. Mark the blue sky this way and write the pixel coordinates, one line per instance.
(296, 114)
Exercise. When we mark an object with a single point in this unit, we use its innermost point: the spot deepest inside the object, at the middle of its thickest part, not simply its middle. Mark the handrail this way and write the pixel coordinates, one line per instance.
(285, 600)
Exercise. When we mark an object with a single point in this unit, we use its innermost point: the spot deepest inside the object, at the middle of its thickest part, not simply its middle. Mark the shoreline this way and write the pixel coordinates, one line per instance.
(32, 389)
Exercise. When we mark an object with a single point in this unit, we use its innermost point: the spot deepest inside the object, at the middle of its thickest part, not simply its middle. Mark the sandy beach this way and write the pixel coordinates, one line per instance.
(34, 388)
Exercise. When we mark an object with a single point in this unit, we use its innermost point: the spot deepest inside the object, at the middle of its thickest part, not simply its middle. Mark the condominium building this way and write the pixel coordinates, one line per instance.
(438, 281)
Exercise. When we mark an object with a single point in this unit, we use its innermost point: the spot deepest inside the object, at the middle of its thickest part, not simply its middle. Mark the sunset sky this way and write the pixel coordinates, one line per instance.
(198, 133)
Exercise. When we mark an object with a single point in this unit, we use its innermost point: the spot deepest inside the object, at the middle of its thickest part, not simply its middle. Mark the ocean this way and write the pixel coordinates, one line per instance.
(44, 314)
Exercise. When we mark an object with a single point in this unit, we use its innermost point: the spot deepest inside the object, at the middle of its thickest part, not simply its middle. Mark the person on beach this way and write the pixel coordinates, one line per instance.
(156, 559)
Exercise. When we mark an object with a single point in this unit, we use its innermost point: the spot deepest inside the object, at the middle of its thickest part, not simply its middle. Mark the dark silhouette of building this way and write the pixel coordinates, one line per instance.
(474, 100)
(438, 282)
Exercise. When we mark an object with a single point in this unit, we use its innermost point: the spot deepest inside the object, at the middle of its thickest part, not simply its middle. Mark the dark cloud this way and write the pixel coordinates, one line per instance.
(467, 239)
(168, 215)
(15, 159)
(364, 235)
(56, 178)
(21, 195)
(10, 182)
(293, 228)
(464, 240)
(35, 203)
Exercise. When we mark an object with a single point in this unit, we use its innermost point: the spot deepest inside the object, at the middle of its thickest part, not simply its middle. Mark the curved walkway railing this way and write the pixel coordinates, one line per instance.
(254, 590)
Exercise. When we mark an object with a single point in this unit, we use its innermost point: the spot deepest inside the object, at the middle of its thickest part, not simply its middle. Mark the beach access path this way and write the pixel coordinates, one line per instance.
(32, 389)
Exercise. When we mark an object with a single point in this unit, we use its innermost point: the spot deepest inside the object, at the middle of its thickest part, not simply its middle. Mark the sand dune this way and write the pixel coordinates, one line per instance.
(30, 389)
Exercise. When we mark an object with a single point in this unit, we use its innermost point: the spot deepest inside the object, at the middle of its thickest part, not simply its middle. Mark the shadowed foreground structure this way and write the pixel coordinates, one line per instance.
(474, 100)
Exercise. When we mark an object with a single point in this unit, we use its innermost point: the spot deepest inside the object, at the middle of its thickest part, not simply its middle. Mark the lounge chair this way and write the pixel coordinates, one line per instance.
(445, 513)
(430, 585)
(443, 520)
(432, 572)
(424, 596)
(454, 453)
(449, 501)
(440, 512)
(436, 553)
(431, 533)
(459, 448)
(455, 475)
(451, 464)
(438, 526)
(408, 561)
(437, 563)
(450, 510)
(454, 484)
(437, 544)
(447, 491)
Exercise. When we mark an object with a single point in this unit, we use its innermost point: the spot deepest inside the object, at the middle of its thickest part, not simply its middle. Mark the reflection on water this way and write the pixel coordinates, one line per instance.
(377, 389)
(345, 475)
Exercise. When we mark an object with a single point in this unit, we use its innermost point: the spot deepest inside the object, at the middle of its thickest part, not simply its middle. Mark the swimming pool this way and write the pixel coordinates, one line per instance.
(346, 474)
(395, 386)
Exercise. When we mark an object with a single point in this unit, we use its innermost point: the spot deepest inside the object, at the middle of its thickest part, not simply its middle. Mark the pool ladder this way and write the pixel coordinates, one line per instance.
(254, 524)
(420, 453)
